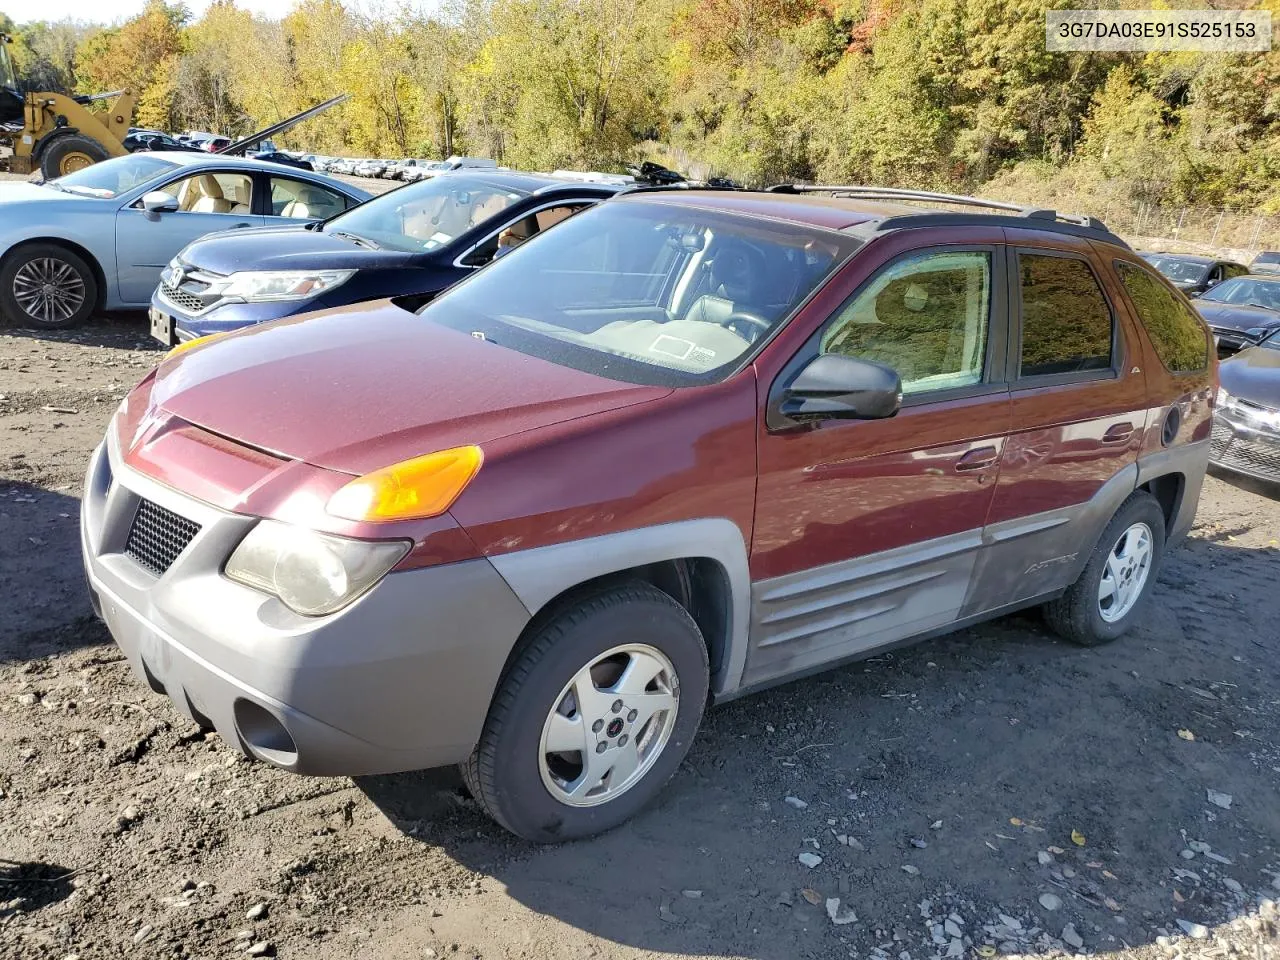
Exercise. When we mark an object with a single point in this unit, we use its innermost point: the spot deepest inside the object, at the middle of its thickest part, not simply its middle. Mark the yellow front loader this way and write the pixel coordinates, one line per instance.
(57, 134)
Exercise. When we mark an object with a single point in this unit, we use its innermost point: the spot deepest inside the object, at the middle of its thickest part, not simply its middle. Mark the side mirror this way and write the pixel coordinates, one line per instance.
(157, 201)
(833, 386)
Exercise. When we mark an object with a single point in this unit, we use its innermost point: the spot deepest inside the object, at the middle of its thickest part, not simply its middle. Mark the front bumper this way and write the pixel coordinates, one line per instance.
(1245, 448)
(228, 316)
(399, 680)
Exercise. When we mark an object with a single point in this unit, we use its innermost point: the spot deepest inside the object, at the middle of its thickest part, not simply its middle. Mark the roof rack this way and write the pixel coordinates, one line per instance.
(1048, 219)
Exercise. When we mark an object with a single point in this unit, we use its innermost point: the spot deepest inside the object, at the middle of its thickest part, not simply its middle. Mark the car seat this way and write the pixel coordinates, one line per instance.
(205, 196)
(733, 283)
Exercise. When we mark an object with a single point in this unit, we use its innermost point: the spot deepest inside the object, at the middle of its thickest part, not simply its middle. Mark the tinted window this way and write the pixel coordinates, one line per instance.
(925, 316)
(1174, 329)
(1066, 323)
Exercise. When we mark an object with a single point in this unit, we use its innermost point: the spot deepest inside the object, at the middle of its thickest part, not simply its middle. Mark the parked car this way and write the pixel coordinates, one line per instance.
(1194, 275)
(1246, 421)
(151, 140)
(417, 240)
(1241, 311)
(1266, 262)
(99, 237)
(685, 445)
(287, 159)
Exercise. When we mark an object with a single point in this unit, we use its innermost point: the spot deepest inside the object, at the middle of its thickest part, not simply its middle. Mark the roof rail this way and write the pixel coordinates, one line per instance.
(1092, 224)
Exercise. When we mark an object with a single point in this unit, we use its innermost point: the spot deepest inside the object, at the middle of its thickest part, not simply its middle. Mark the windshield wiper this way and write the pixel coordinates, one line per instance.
(357, 240)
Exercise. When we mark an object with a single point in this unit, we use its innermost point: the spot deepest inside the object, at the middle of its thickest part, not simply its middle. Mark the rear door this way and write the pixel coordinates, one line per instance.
(867, 531)
(295, 201)
(1079, 413)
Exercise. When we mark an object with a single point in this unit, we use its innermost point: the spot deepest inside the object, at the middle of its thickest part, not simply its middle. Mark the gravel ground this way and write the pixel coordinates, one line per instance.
(995, 791)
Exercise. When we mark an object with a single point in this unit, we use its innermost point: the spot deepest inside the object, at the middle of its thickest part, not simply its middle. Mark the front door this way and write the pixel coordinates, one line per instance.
(146, 242)
(866, 531)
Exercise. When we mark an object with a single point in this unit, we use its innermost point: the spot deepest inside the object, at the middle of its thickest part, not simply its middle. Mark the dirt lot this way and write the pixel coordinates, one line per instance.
(996, 790)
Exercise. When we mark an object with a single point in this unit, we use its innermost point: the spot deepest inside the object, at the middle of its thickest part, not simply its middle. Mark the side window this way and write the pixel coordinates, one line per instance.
(926, 316)
(213, 193)
(514, 234)
(304, 201)
(1236, 270)
(1175, 331)
(1066, 322)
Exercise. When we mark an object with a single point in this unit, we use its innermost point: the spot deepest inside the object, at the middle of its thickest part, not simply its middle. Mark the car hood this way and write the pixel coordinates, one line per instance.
(361, 387)
(1253, 374)
(1233, 316)
(22, 192)
(284, 248)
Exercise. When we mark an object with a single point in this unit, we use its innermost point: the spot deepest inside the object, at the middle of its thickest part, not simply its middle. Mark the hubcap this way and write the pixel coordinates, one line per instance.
(74, 161)
(48, 289)
(609, 725)
(1125, 574)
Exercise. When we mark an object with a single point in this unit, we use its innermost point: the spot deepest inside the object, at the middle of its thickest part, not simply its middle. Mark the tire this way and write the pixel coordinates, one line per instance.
(21, 275)
(1081, 614)
(525, 789)
(68, 153)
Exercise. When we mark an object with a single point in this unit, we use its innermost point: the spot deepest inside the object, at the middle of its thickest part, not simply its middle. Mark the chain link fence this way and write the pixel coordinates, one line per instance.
(1217, 232)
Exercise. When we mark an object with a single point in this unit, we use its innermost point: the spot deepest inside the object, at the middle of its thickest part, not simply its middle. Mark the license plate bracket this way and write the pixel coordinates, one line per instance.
(161, 326)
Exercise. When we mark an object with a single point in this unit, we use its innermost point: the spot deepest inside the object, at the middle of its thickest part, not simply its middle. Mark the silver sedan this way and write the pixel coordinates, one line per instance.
(98, 238)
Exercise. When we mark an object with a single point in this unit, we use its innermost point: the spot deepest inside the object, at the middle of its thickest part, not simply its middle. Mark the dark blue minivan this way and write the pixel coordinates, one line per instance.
(416, 240)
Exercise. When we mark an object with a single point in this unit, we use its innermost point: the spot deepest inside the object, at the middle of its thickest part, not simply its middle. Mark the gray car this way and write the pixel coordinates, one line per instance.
(98, 238)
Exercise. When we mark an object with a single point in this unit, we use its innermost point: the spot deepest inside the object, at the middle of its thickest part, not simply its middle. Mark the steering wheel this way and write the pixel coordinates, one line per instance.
(760, 324)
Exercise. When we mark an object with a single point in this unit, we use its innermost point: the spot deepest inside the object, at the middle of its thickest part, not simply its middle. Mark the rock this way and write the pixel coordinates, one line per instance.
(952, 929)
(955, 948)
(1013, 923)
(840, 917)
(1232, 885)
(1197, 931)
(918, 843)
(810, 860)
(1050, 901)
(1222, 800)
(691, 894)
(1071, 937)
(795, 802)
(1199, 846)
(1266, 908)
(1044, 858)
(263, 948)
(926, 908)
(1187, 854)
(910, 870)
(28, 699)
(666, 915)
(938, 934)
(1218, 858)
(144, 931)
(256, 912)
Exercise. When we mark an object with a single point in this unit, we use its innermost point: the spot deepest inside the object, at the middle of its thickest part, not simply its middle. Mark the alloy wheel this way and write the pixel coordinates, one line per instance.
(49, 290)
(609, 725)
(1125, 573)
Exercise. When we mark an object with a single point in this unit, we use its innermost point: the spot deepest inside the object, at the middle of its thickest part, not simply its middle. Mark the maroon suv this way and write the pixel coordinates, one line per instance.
(683, 446)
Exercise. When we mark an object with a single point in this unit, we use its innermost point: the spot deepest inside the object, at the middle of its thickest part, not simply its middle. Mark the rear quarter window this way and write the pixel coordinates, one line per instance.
(1173, 327)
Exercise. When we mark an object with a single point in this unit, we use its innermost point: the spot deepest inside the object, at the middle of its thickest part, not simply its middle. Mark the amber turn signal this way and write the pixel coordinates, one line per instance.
(186, 345)
(410, 490)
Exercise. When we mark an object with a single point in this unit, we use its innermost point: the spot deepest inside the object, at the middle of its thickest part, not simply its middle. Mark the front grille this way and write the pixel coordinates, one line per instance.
(180, 298)
(157, 536)
(1250, 454)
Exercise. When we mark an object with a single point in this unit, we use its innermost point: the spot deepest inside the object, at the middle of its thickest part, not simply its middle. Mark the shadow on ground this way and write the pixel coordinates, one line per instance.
(28, 887)
(973, 774)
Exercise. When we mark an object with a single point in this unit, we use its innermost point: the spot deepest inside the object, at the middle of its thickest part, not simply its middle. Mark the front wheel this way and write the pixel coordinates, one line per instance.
(593, 717)
(68, 153)
(47, 286)
(1118, 578)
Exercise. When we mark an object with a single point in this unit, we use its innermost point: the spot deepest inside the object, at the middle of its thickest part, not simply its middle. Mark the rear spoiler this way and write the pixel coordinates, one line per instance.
(240, 146)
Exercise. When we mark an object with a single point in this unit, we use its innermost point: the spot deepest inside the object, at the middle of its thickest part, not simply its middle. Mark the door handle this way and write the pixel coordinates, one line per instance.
(237, 226)
(977, 459)
(1118, 433)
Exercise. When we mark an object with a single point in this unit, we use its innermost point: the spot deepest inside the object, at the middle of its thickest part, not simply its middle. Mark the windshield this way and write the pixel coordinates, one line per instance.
(645, 292)
(1179, 271)
(426, 216)
(115, 176)
(1246, 291)
(7, 77)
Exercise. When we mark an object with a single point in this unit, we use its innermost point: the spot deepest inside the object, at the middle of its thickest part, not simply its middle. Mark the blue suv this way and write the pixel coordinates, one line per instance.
(414, 241)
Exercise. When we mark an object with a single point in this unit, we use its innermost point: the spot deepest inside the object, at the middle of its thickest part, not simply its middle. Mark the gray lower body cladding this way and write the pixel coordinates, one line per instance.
(399, 680)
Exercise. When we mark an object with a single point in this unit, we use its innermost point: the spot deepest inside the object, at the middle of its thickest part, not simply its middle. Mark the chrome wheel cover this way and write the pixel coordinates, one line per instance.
(49, 290)
(1125, 573)
(609, 725)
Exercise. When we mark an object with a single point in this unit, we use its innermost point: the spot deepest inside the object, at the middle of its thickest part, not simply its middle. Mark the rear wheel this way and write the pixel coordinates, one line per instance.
(1118, 579)
(47, 286)
(69, 153)
(593, 717)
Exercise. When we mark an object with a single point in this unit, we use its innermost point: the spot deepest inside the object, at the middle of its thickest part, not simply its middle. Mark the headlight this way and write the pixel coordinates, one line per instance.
(1224, 398)
(312, 573)
(257, 286)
